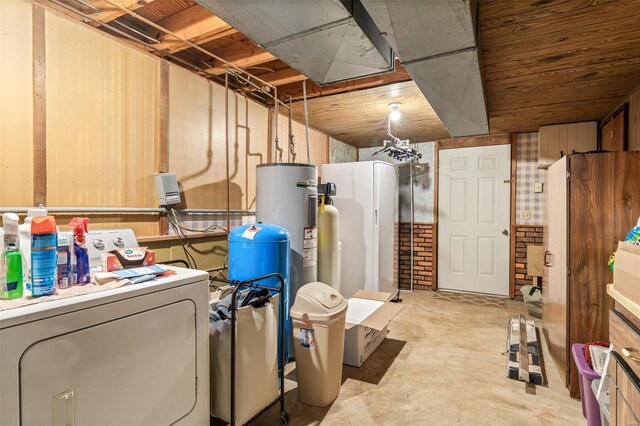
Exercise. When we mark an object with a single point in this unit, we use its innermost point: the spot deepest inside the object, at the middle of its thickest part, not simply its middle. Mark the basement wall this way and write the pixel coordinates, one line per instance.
(103, 117)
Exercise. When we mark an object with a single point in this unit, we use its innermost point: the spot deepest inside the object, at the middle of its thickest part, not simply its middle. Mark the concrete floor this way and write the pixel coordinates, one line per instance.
(442, 364)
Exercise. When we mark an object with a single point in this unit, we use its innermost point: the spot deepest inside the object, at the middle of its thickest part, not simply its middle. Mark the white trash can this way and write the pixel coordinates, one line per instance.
(318, 315)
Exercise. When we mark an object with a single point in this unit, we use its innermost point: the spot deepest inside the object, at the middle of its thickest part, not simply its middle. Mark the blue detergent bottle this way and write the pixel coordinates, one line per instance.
(44, 251)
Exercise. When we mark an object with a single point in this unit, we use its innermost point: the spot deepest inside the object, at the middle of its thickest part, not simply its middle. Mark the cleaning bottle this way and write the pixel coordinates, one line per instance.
(12, 258)
(81, 273)
(24, 232)
(43, 256)
(65, 252)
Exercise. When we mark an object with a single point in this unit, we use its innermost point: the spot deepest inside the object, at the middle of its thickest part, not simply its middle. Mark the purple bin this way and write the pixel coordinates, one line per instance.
(590, 406)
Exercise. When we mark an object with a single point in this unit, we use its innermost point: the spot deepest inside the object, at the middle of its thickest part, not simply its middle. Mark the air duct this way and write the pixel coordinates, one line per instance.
(328, 41)
(437, 43)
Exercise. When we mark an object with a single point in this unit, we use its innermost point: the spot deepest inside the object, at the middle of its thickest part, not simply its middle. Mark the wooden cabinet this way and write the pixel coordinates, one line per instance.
(592, 202)
(613, 133)
(562, 139)
(624, 385)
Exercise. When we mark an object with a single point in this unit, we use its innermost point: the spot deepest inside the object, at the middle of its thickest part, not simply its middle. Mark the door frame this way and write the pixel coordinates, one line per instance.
(475, 141)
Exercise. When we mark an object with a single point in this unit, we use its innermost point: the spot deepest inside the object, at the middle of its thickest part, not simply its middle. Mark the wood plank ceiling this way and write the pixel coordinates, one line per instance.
(544, 62)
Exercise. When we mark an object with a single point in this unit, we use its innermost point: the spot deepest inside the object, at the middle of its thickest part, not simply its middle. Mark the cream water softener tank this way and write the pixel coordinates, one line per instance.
(287, 196)
(328, 244)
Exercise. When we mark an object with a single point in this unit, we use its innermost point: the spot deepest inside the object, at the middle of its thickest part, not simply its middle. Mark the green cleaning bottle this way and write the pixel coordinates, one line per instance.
(12, 258)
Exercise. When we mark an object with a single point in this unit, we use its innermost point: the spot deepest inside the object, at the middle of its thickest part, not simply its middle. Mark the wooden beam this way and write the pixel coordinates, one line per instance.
(39, 107)
(110, 12)
(240, 57)
(314, 91)
(195, 24)
(284, 76)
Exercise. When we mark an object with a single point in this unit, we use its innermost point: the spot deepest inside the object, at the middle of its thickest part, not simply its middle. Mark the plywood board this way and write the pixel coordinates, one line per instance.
(16, 98)
(535, 260)
(360, 118)
(197, 142)
(102, 119)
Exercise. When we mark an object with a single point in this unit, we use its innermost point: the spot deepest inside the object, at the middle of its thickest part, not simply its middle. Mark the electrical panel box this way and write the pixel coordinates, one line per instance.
(167, 189)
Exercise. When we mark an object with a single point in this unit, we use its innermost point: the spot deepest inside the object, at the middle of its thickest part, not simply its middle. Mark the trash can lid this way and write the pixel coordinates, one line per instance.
(318, 302)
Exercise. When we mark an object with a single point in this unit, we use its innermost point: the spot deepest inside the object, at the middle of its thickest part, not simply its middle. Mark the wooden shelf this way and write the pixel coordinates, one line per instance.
(627, 303)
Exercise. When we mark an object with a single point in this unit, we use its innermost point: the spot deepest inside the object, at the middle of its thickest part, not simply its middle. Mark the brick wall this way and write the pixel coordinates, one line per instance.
(525, 235)
(422, 256)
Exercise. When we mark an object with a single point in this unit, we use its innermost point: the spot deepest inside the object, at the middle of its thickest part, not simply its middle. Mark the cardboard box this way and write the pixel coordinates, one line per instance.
(626, 271)
(368, 317)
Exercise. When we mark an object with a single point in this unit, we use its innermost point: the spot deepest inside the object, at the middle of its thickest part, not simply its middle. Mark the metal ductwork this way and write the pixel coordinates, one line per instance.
(328, 41)
(437, 43)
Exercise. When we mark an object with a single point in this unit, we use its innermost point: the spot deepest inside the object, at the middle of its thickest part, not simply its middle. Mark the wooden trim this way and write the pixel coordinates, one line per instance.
(163, 134)
(157, 238)
(512, 236)
(163, 143)
(436, 171)
(473, 141)
(39, 107)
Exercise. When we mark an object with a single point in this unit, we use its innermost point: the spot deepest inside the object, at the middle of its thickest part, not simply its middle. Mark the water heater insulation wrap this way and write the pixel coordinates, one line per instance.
(287, 196)
(328, 259)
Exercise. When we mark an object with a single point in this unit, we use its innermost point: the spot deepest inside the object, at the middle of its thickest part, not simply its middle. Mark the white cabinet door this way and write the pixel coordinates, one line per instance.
(386, 227)
(474, 200)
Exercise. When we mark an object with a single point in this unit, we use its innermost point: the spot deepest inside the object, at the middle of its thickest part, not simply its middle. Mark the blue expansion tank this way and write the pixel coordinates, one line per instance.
(261, 249)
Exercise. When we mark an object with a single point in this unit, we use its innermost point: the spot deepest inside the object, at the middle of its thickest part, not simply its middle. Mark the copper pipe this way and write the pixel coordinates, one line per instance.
(226, 131)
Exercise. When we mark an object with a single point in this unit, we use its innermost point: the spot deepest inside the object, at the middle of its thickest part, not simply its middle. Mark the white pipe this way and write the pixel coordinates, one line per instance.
(306, 118)
(84, 209)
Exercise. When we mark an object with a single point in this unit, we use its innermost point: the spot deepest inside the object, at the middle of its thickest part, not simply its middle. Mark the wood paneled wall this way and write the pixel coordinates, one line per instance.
(111, 116)
(16, 104)
(634, 121)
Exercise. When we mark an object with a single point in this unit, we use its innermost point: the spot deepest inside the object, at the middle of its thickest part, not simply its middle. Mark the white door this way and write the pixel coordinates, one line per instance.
(474, 199)
(385, 226)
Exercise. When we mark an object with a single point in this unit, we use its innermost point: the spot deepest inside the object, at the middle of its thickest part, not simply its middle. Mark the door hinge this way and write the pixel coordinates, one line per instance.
(568, 270)
(568, 174)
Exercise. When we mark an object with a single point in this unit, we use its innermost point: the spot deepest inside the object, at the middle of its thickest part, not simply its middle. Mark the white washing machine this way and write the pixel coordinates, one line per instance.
(135, 355)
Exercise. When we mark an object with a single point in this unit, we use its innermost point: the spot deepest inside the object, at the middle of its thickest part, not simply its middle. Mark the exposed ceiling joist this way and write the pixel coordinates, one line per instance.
(284, 76)
(110, 12)
(314, 90)
(241, 58)
(195, 24)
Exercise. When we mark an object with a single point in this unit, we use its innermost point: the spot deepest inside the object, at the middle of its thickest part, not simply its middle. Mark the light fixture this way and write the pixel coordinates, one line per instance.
(394, 115)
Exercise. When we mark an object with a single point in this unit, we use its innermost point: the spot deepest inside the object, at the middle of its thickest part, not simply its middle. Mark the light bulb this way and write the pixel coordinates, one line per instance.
(394, 115)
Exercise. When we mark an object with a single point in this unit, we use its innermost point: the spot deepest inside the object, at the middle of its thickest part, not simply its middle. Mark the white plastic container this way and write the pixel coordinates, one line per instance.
(318, 315)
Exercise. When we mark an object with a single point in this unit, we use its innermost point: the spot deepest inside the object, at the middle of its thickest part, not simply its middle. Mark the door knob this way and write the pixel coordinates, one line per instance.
(505, 232)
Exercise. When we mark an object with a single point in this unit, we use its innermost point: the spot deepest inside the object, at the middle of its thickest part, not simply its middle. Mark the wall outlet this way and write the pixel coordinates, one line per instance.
(525, 214)
(537, 187)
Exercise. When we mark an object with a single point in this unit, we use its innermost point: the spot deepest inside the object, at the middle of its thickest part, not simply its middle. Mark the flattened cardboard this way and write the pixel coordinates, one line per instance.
(382, 316)
(626, 271)
(360, 309)
(372, 295)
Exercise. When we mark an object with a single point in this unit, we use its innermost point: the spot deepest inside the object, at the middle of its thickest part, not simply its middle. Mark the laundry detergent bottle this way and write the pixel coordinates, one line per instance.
(81, 272)
(12, 258)
(44, 250)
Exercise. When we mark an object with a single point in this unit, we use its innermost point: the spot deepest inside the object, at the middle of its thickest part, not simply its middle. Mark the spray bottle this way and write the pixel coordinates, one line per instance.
(65, 252)
(81, 272)
(44, 247)
(24, 233)
(12, 257)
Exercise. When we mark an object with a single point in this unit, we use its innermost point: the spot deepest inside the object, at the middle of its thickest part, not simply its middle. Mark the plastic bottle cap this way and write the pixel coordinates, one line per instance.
(80, 225)
(43, 225)
(10, 222)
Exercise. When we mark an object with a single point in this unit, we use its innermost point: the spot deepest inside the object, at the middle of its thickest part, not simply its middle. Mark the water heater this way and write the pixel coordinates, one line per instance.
(287, 196)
